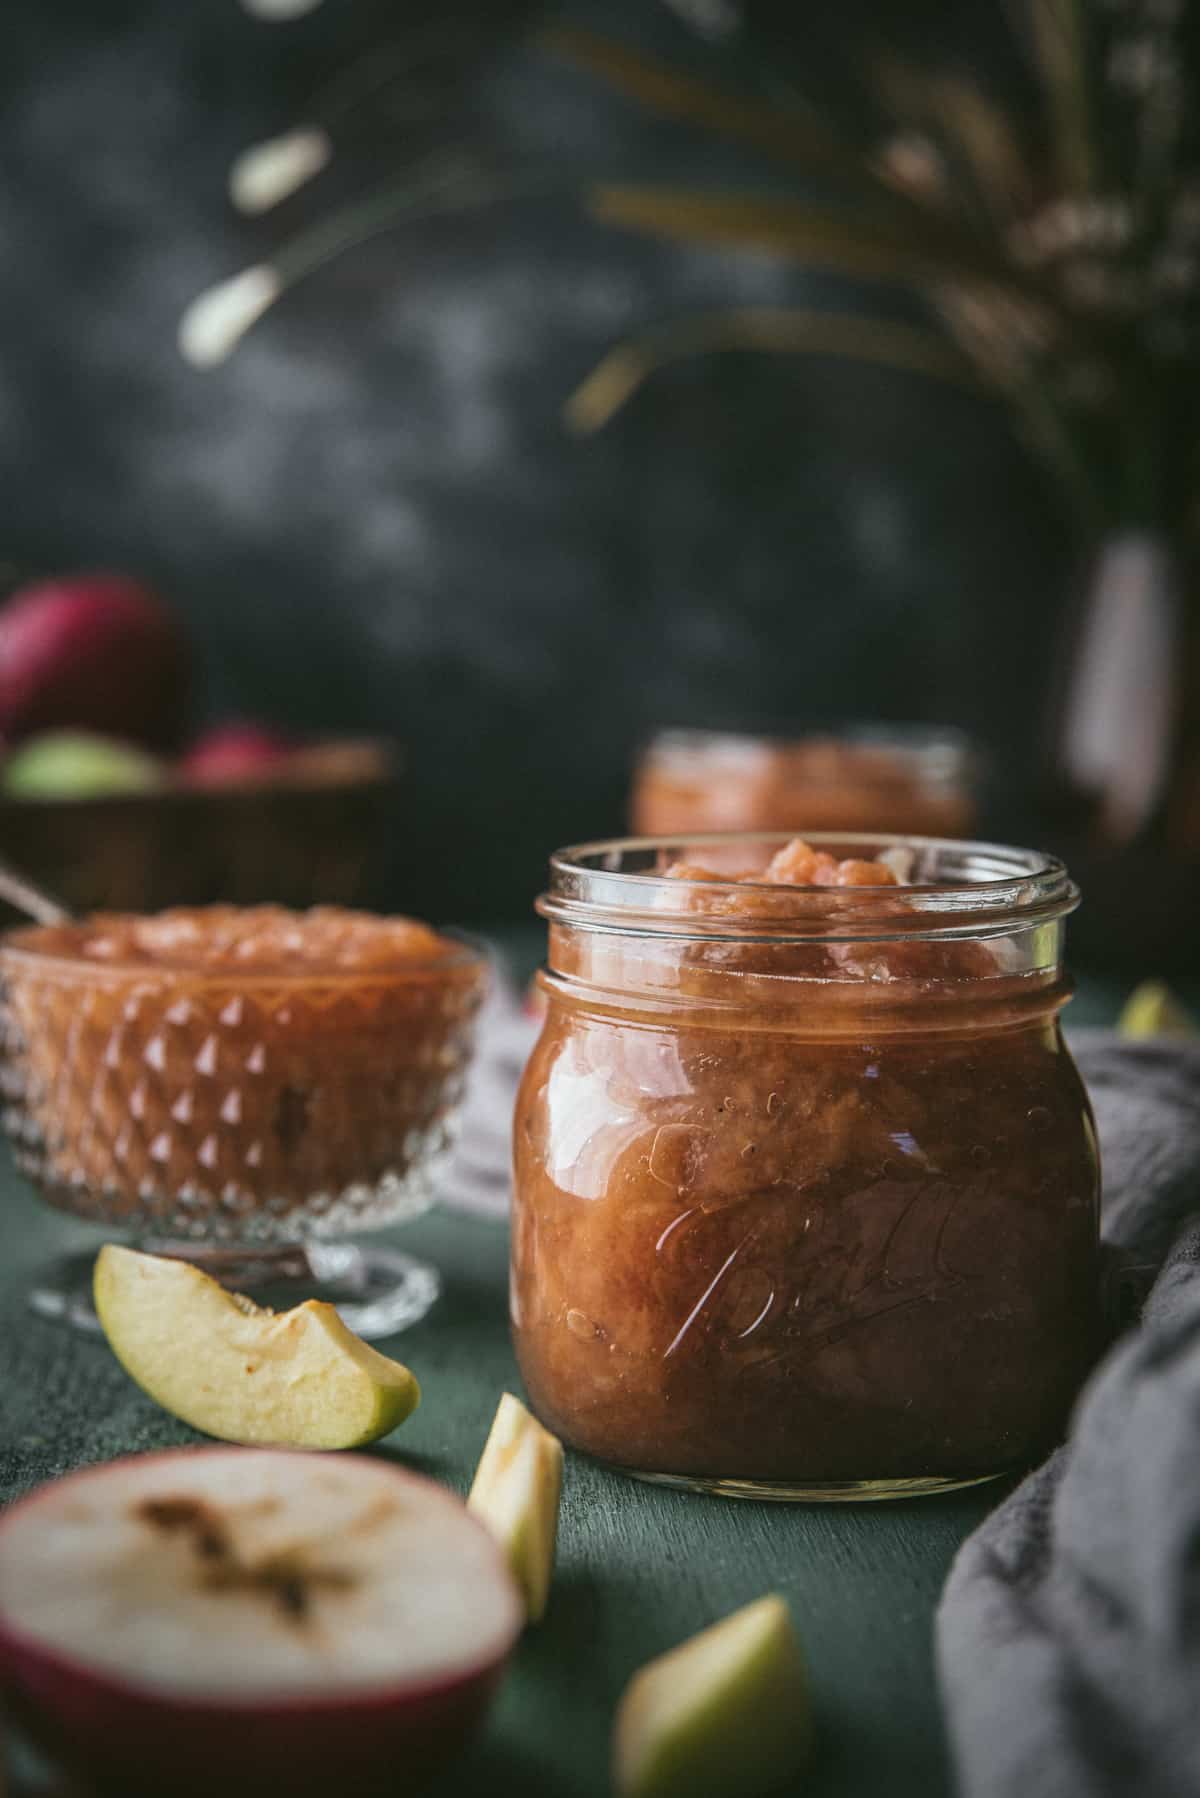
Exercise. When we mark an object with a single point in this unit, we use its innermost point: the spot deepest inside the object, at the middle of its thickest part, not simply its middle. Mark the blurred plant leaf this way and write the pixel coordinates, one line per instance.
(444, 184)
(1058, 30)
(846, 242)
(975, 135)
(776, 330)
(796, 137)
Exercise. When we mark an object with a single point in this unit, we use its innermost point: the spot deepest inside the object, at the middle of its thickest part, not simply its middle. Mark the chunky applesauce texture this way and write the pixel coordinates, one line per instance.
(241, 1072)
(802, 1211)
(257, 939)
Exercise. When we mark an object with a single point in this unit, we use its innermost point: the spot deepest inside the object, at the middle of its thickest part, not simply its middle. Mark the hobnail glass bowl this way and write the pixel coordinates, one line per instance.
(240, 1119)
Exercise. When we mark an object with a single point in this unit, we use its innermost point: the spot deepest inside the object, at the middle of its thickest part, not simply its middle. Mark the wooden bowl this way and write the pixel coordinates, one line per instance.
(314, 834)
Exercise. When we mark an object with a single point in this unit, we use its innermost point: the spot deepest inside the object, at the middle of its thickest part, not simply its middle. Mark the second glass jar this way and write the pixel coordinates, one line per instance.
(899, 777)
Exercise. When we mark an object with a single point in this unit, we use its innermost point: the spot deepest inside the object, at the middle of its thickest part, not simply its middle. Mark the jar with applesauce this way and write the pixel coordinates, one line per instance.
(903, 777)
(806, 1181)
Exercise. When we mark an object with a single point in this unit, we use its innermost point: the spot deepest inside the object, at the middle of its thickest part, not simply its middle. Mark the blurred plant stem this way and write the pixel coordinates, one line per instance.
(773, 329)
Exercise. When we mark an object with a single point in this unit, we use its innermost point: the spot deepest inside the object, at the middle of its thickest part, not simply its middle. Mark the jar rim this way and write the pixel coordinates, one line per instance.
(971, 889)
(935, 750)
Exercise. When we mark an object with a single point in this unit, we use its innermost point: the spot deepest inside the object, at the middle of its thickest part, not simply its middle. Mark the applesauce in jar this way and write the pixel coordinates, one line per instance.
(902, 778)
(806, 1182)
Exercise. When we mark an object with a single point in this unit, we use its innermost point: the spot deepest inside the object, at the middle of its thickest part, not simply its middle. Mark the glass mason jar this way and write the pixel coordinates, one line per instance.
(902, 777)
(806, 1181)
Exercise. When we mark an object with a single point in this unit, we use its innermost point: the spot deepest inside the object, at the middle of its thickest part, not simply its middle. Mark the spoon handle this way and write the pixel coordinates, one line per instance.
(22, 893)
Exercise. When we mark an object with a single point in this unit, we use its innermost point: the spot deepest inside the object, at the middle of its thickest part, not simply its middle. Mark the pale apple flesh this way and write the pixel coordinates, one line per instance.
(516, 1495)
(204, 1621)
(726, 1713)
(296, 1379)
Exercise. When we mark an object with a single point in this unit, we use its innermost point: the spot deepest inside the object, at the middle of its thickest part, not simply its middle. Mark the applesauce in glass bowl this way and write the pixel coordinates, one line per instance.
(241, 1085)
(806, 1181)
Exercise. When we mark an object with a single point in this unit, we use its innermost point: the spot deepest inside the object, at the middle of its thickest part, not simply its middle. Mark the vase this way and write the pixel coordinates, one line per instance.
(1122, 763)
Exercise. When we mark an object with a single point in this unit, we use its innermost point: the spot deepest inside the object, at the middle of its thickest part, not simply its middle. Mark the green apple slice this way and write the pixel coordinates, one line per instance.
(515, 1494)
(727, 1712)
(1153, 1010)
(74, 764)
(288, 1379)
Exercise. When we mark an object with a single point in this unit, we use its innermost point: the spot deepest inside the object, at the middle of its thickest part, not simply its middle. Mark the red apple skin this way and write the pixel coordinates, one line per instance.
(131, 1743)
(96, 651)
(231, 754)
(136, 1745)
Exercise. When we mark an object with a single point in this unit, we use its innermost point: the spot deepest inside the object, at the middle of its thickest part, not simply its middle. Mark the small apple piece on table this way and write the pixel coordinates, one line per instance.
(75, 764)
(726, 1713)
(221, 1623)
(1152, 1009)
(236, 754)
(97, 652)
(516, 1493)
(295, 1379)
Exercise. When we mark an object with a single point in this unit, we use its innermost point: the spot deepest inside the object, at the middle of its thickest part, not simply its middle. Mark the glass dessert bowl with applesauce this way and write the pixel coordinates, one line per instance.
(909, 778)
(239, 1085)
(806, 1181)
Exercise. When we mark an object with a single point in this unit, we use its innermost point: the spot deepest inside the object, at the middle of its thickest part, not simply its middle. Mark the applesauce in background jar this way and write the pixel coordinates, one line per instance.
(806, 1181)
(907, 778)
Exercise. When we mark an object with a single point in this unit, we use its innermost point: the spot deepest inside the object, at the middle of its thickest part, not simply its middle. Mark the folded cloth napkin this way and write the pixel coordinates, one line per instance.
(1068, 1636)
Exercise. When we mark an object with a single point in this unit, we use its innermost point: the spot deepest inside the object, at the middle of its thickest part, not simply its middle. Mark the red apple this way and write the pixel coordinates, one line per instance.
(239, 1621)
(94, 651)
(229, 754)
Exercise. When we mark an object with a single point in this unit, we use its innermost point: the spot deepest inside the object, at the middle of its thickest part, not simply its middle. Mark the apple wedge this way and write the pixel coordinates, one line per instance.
(290, 1379)
(235, 1622)
(1153, 1010)
(515, 1494)
(727, 1712)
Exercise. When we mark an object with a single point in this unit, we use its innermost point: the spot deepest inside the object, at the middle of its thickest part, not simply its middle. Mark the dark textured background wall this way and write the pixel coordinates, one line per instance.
(373, 518)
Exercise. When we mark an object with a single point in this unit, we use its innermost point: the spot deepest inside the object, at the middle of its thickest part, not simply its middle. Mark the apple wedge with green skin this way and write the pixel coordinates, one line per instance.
(232, 1622)
(726, 1713)
(515, 1494)
(73, 764)
(288, 1379)
(1152, 1009)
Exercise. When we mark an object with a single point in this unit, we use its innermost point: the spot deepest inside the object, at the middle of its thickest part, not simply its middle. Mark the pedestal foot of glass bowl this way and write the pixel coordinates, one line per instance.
(378, 1290)
(815, 1492)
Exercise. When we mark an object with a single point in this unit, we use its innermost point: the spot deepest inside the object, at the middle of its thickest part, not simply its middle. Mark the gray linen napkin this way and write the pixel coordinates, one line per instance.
(1068, 1636)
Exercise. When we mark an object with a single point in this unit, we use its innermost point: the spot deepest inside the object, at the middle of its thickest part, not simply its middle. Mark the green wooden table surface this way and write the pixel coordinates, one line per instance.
(639, 1568)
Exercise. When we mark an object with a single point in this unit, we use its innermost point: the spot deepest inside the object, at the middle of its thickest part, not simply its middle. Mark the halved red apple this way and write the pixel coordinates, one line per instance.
(229, 1621)
(92, 652)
